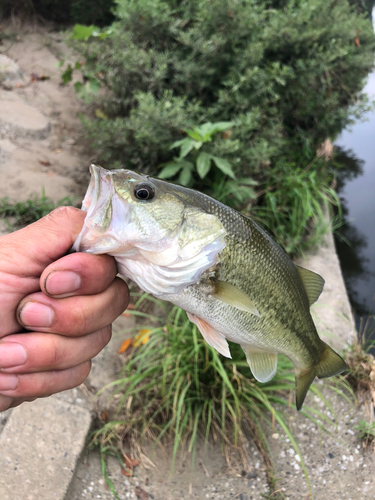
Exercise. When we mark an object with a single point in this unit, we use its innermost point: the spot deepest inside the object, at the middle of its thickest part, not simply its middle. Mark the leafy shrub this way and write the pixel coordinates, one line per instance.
(280, 70)
(287, 74)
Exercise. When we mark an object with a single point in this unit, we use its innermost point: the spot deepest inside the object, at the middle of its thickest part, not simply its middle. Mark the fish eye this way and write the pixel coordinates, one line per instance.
(144, 191)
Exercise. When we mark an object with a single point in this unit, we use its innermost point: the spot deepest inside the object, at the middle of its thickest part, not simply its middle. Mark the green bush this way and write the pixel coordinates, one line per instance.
(287, 73)
(61, 11)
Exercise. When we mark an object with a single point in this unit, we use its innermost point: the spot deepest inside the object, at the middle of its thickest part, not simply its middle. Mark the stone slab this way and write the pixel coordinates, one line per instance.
(18, 119)
(40, 446)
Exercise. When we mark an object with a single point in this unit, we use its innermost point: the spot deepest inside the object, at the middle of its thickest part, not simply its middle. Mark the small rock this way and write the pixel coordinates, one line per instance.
(10, 72)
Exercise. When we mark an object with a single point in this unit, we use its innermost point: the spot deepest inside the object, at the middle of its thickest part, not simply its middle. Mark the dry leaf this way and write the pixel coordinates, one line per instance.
(125, 345)
(104, 416)
(126, 472)
(130, 462)
(45, 163)
(141, 494)
(35, 77)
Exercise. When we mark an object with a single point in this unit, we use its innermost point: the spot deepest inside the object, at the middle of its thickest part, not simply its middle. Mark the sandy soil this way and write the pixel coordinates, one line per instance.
(41, 139)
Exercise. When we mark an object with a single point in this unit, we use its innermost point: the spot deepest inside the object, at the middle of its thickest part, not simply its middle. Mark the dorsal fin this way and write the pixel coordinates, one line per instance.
(233, 296)
(312, 282)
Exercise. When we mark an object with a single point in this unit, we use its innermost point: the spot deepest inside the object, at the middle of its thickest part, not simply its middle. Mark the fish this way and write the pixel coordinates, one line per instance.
(232, 279)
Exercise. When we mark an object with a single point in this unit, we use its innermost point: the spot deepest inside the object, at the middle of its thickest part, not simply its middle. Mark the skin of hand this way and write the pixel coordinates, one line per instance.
(56, 310)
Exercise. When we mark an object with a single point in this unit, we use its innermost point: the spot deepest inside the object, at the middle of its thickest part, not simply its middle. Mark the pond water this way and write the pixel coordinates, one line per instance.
(356, 148)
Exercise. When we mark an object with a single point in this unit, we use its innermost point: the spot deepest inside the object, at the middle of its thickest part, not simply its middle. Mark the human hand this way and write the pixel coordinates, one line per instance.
(56, 309)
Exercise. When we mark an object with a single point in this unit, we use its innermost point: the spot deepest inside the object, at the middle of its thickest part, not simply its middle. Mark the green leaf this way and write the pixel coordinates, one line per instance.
(185, 176)
(224, 166)
(78, 87)
(67, 75)
(204, 130)
(221, 126)
(81, 32)
(208, 129)
(194, 134)
(203, 164)
(93, 85)
(248, 181)
(186, 147)
(170, 170)
(177, 143)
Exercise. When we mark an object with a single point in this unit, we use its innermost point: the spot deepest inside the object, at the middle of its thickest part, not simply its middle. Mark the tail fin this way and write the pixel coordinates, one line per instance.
(303, 381)
(330, 364)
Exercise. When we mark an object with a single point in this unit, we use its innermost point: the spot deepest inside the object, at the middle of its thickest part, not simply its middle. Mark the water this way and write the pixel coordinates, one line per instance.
(357, 192)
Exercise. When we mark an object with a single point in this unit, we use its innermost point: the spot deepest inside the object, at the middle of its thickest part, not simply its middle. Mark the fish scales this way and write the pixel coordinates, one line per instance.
(229, 275)
(250, 248)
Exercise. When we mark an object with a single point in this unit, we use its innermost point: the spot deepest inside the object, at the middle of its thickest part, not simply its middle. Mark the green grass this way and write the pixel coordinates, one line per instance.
(176, 389)
(28, 211)
(294, 207)
(366, 432)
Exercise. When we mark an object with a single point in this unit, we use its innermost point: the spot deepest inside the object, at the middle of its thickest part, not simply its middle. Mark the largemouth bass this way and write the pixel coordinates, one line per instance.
(232, 279)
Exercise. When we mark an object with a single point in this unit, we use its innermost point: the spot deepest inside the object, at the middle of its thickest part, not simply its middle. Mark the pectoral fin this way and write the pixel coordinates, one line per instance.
(262, 364)
(211, 336)
(312, 282)
(233, 296)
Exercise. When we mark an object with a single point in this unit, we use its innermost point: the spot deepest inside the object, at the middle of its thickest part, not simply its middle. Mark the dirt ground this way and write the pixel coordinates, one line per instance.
(42, 147)
(41, 139)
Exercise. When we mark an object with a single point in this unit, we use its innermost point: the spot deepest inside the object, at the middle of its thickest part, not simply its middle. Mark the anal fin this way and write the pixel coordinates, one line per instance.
(211, 336)
(262, 364)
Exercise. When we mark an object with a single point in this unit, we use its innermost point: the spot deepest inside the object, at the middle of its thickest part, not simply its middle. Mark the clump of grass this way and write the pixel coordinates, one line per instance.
(361, 362)
(294, 207)
(366, 432)
(25, 212)
(177, 388)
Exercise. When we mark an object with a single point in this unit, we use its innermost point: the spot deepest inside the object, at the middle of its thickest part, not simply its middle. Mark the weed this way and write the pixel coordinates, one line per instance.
(176, 388)
(28, 211)
(366, 432)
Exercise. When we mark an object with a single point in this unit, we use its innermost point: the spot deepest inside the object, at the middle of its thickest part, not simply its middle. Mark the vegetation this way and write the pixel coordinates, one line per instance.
(366, 432)
(285, 77)
(176, 388)
(21, 213)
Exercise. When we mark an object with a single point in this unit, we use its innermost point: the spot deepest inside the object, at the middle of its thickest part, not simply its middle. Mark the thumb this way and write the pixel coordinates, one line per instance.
(34, 247)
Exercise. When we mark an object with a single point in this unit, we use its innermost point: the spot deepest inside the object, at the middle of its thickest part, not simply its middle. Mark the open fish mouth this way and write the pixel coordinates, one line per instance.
(102, 204)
